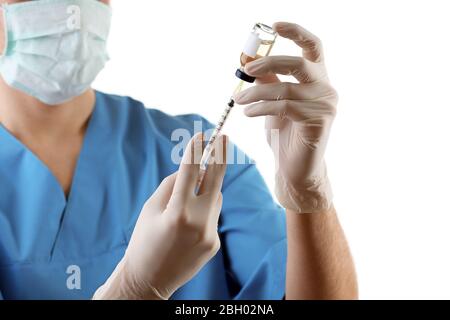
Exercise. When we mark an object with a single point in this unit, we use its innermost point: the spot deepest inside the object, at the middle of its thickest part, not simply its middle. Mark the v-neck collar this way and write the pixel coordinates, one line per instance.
(16, 145)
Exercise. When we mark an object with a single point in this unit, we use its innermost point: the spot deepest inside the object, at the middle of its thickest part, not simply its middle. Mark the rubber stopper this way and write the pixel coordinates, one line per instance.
(243, 76)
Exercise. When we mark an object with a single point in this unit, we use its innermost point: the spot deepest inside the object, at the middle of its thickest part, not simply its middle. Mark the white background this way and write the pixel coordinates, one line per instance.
(388, 155)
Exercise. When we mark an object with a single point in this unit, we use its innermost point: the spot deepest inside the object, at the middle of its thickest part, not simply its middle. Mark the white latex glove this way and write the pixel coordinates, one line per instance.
(176, 233)
(303, 112)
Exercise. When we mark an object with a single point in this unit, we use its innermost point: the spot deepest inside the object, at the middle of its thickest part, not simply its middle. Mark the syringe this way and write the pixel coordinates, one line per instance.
(259, 44)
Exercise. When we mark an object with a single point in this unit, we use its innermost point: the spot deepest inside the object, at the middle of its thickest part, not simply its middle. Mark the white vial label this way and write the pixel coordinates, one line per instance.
(252, 45)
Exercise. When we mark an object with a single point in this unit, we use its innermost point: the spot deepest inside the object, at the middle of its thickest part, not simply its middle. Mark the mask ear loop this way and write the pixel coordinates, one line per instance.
(5, 30)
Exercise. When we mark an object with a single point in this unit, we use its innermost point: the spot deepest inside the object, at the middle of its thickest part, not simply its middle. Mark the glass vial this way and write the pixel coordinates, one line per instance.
(259, 44)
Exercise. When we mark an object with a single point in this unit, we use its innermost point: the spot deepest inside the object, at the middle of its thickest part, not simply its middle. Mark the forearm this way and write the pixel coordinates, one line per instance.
(319, 262)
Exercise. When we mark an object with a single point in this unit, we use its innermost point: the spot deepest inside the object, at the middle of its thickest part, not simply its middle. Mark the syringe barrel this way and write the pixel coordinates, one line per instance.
(214, 135)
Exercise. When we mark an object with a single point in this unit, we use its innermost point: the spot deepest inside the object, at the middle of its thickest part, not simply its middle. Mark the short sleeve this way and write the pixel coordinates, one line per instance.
(253, 234)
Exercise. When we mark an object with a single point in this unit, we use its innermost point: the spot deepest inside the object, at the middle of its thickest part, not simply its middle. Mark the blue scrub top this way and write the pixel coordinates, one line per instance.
(57, 248)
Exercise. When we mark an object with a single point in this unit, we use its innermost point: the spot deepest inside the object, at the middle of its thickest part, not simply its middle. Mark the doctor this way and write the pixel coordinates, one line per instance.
(92, 205)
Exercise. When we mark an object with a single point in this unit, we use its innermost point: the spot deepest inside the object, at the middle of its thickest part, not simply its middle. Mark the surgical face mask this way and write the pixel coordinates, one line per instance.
(55, 48)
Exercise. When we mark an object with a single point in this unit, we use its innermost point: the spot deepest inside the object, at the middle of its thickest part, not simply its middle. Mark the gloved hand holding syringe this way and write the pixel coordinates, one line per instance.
(259, 44)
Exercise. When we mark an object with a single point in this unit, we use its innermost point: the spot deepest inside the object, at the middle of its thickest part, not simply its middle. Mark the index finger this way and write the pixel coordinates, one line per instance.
(189, 168)
(215, 172)
(311, 44)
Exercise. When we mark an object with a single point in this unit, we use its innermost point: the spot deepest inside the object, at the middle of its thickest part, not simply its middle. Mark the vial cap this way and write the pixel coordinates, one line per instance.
(243, 76)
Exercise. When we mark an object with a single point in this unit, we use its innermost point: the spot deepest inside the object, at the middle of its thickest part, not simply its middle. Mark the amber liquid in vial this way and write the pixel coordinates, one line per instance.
(263, 50)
